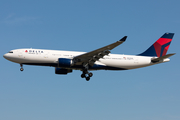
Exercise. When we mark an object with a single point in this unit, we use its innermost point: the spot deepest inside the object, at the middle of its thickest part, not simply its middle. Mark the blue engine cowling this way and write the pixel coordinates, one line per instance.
(64, 62)
(62, 71)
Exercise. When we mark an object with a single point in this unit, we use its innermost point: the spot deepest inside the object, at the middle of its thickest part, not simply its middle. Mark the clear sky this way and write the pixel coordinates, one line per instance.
(37, 93)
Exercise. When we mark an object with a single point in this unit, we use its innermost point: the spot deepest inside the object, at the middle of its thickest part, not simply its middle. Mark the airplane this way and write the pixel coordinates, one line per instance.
(100, 59)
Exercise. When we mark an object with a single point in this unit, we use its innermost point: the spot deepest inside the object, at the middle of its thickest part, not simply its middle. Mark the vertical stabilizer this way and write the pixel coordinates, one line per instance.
(160, 47)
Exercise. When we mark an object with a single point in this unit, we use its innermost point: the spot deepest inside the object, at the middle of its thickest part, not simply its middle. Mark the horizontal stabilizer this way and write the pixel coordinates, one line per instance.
(154, 60)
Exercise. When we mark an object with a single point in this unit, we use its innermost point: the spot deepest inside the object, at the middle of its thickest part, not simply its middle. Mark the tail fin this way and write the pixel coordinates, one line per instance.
(160, 47)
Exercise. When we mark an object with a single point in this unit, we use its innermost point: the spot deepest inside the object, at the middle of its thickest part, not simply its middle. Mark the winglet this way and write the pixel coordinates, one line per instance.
(123, 39)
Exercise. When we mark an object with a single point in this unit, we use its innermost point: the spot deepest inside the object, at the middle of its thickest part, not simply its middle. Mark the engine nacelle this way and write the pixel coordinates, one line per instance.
(62, 71)
(64, 62)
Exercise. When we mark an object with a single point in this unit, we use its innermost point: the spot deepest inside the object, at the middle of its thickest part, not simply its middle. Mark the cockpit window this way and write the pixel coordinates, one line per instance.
(10, 51)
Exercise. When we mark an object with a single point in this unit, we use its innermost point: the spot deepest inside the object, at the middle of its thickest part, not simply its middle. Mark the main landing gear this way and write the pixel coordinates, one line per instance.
(85, 74)
(21, 69)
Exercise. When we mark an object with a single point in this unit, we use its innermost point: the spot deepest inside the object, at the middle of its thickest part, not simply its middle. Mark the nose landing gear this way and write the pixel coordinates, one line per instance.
(21, 69)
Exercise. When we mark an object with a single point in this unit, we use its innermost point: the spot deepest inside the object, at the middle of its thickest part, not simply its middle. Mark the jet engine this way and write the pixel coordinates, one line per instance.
(65, 62)
(62, 71)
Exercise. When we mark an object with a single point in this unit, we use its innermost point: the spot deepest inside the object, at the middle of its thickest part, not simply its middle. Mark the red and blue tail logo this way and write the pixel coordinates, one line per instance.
(160, 47)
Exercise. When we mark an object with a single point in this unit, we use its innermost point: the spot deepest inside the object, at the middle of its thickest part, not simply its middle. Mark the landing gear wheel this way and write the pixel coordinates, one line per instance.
(83, 75)
(21, 69)
(87, 78)
(90, 74)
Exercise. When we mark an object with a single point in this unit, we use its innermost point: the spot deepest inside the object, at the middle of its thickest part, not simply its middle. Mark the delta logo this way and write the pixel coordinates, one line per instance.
(34, 51)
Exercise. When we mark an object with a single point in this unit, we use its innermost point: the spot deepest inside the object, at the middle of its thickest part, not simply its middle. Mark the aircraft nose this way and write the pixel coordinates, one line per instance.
(5, 56)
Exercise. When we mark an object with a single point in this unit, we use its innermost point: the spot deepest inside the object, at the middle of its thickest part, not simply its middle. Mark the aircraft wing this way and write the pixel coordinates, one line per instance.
(93, 56)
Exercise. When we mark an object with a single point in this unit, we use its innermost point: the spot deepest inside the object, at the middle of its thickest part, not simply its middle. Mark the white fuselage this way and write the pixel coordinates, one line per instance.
(50, 58)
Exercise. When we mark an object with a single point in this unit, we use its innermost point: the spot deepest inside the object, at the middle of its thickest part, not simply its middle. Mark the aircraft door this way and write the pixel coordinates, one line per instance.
(136, 61)
(46, 54)
(20, 54)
